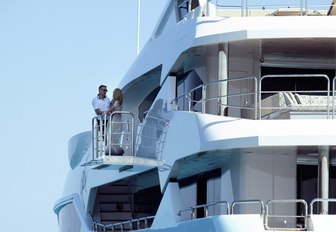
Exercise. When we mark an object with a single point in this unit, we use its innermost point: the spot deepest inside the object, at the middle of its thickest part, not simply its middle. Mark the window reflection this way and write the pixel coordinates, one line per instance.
(182, 6)
(188, 82)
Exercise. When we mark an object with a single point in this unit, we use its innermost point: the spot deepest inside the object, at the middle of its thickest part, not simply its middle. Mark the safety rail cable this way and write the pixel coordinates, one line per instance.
(262, 205)
(103, 133)
(205, 207)
(121, 225)
(327, 91)
(320, 200)
(204, 99)
(278, 216)
(247, 7)
(151, 137)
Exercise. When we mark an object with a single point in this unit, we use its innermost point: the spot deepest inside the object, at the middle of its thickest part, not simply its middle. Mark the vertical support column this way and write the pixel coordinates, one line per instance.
(171, 93)
(323, 177)
(138, 28)
(204, 93)
(242, 8)
(223, 75)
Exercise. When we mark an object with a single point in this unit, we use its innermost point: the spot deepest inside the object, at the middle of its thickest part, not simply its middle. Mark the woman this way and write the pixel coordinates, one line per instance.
(116, 125)
(116, 103)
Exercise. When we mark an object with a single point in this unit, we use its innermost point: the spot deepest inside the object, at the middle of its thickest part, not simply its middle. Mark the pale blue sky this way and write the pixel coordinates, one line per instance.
(53, 56)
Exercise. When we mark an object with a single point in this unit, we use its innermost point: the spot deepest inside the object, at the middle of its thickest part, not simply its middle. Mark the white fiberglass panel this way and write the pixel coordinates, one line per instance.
(261, 176)
(214, 195)
(68, 219)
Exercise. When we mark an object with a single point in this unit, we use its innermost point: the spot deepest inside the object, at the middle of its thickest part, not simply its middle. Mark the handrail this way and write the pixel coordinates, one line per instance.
(204, 99)
(262, 206)
(267, 215)
(186, 95)
(148, 143)
(118, 132)
(98, 132)
(247, 7)
(105, 130)
(205, 207)
(319, 200)
(120, 225)
(255, 105)
(327, 90)
(232, 95)
(229, 211)
(333, 97)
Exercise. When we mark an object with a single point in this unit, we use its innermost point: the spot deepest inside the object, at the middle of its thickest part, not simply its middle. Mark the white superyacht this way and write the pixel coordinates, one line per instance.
(228, 124)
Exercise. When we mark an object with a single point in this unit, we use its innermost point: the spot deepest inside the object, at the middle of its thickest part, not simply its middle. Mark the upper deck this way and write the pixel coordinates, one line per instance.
(187, 25)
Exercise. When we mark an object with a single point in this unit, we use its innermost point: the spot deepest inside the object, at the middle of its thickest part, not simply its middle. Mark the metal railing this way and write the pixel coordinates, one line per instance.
(281, 221)
(151, 137)
(112, 134)
(133, 224)
(323, 200)
(333, 96)
(299, 222)
(323, 93)
(205, 208)
(249, 202)
(264, 212)
(299, 7)
(238, 99)
(248, 99)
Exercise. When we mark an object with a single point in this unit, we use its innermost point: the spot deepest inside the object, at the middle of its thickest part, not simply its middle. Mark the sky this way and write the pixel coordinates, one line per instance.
(53, 56)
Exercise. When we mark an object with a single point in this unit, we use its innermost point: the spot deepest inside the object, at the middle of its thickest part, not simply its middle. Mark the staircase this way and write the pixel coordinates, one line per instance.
(117, 205)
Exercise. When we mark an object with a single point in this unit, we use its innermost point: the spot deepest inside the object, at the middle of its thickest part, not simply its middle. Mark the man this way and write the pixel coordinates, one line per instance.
(101, 103)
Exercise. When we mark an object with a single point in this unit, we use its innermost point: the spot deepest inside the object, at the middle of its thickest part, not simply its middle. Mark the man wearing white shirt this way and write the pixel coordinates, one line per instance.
(101, 103)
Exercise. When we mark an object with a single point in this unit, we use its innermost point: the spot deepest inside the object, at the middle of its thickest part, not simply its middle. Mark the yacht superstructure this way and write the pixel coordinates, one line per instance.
(228, 124)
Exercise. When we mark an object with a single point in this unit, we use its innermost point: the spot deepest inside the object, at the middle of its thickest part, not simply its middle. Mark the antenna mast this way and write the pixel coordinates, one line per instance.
(138, 29)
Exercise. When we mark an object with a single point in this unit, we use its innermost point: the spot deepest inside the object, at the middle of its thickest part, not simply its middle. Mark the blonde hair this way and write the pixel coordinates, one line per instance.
(117, 95)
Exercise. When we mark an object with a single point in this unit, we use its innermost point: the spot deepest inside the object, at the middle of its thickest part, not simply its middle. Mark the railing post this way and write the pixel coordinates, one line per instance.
(131, 224)
(323, 177)
(193, 213)
(242, 8)
(138, 224)
(146, 223)
(203, 99)
(259, 98)
(328, 98)
(93, 134)
(189, 101)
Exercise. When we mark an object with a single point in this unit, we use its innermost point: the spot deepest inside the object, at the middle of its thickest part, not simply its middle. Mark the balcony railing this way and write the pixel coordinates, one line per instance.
(247, 8)
(246, 98)
(113, 134)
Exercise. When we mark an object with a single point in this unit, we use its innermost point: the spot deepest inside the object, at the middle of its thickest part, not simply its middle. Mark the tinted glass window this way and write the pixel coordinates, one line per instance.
(182, 7)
